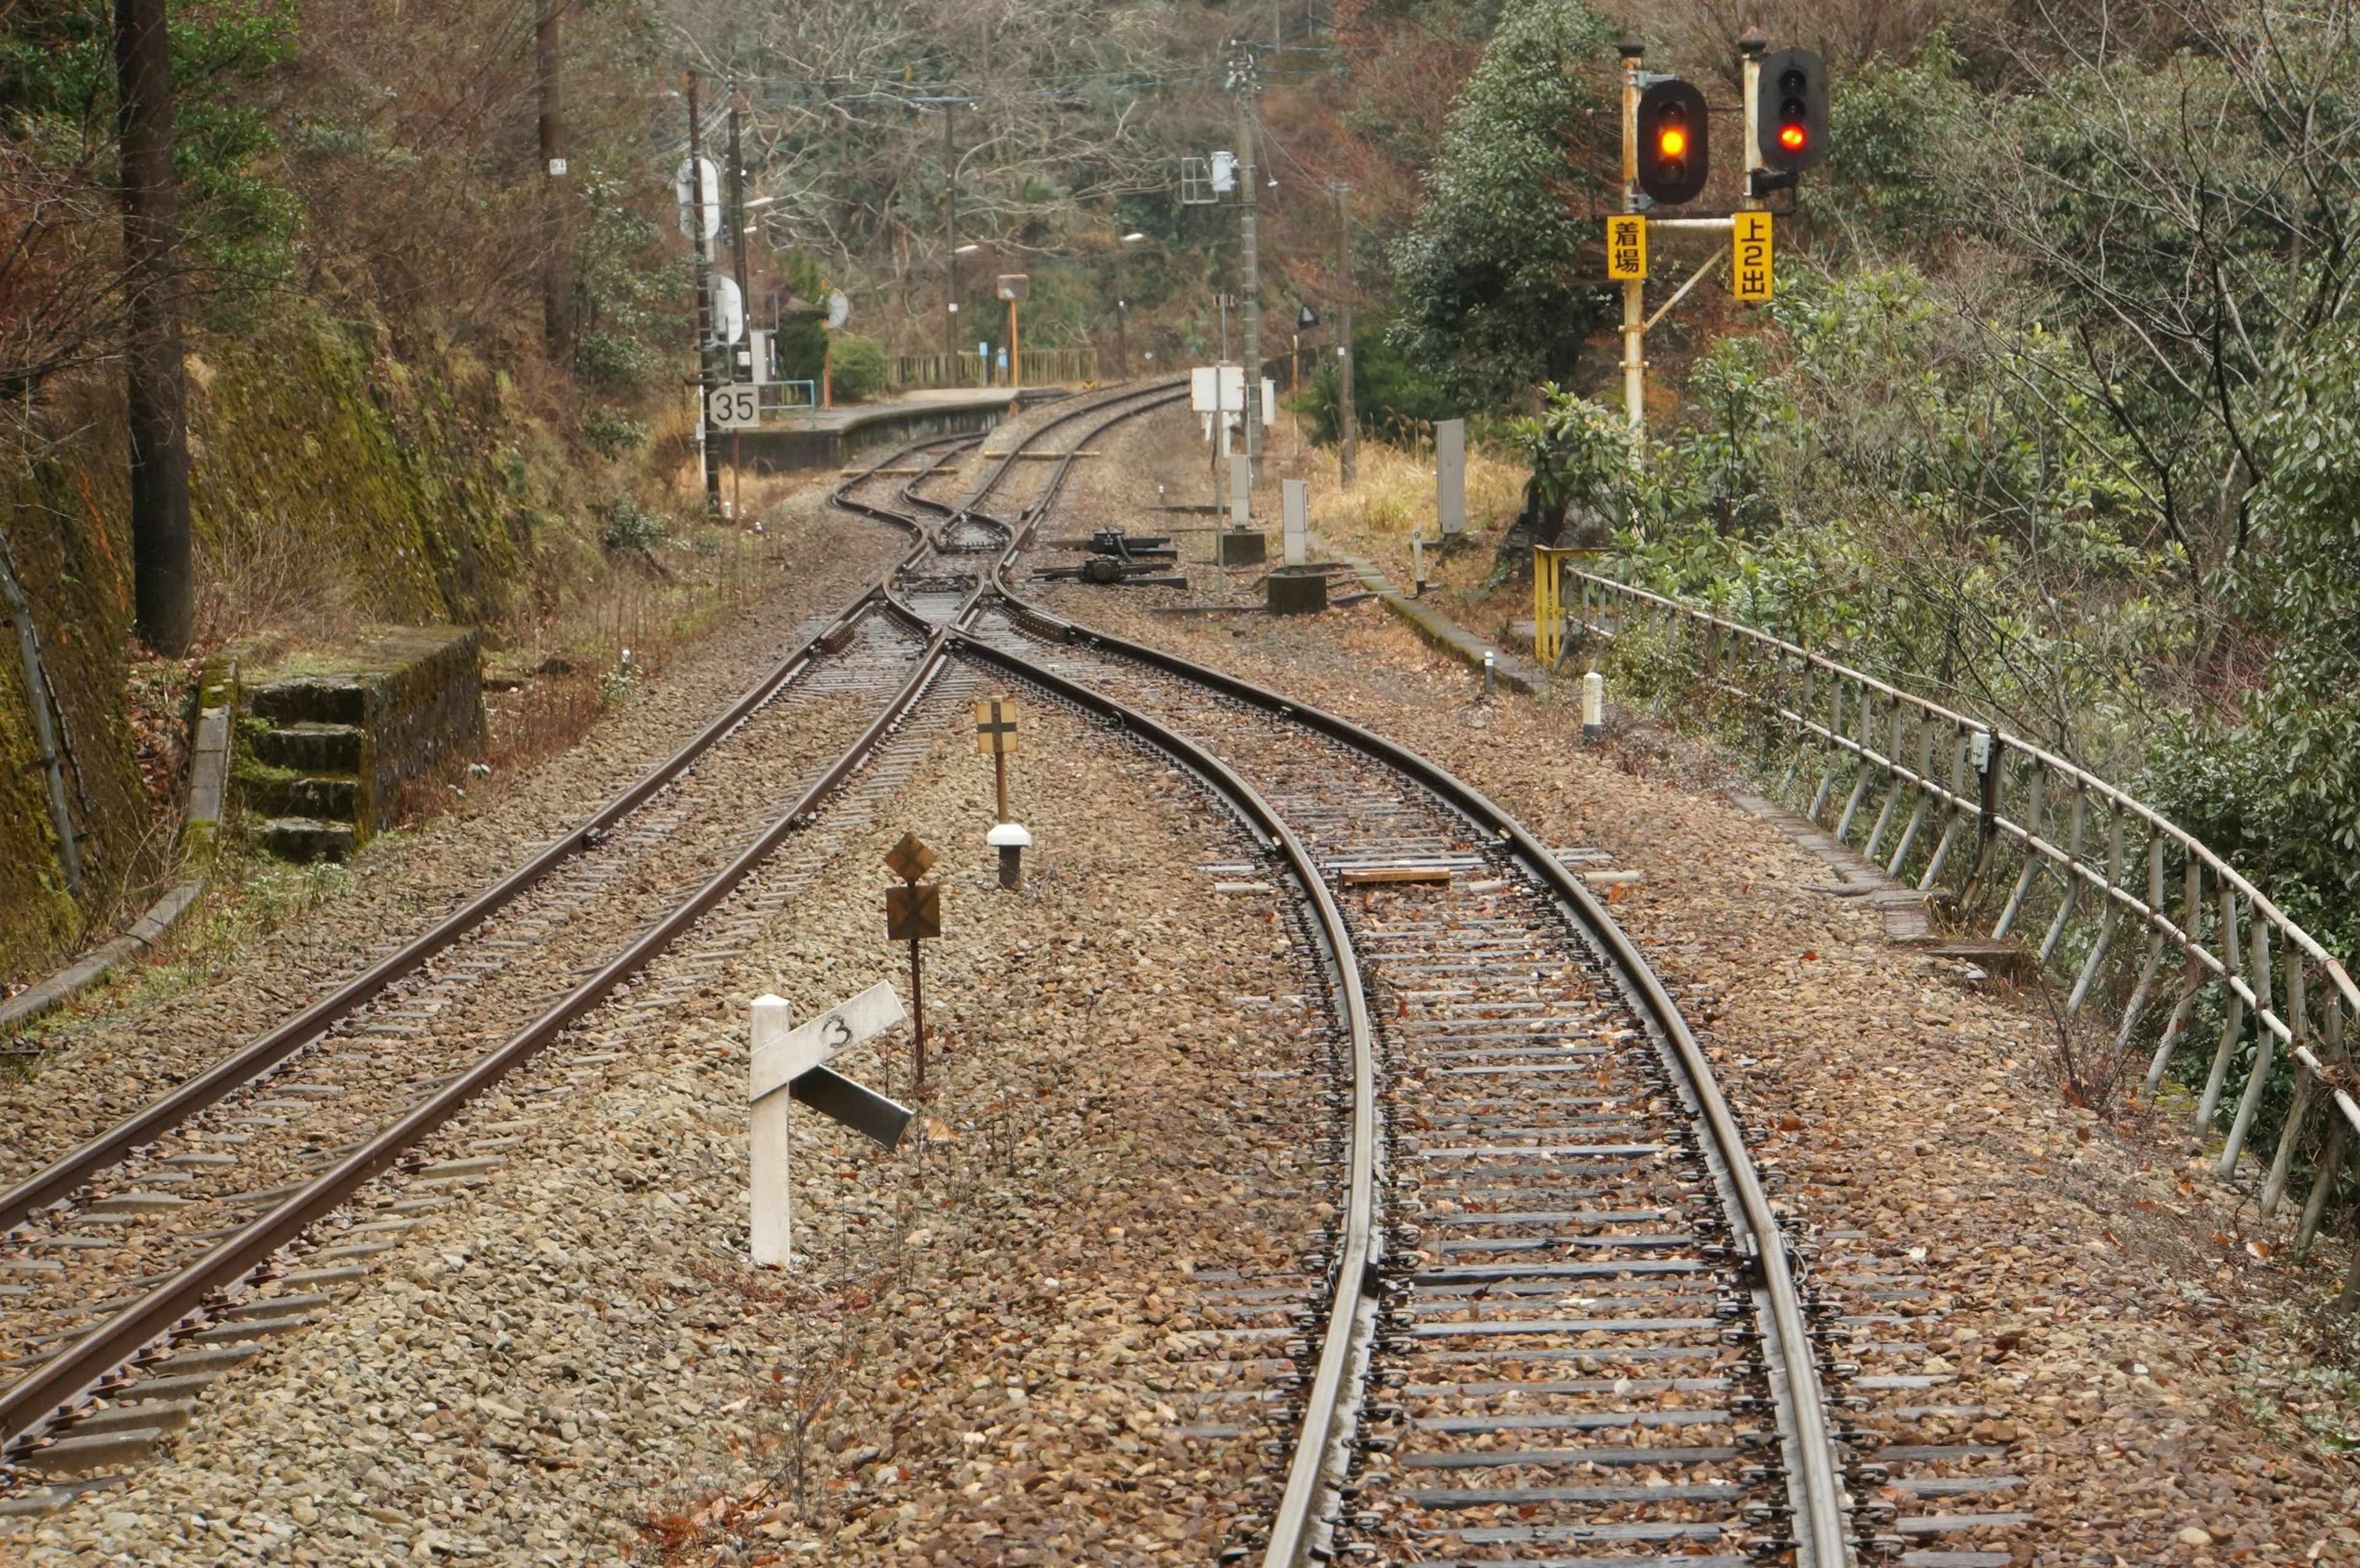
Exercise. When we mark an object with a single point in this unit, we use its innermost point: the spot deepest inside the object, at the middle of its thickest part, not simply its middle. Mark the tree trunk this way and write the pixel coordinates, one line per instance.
(163, 596)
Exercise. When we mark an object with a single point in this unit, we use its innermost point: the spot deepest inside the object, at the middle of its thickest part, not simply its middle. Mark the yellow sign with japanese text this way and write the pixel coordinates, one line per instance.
(1626, 247)
(1749, 258)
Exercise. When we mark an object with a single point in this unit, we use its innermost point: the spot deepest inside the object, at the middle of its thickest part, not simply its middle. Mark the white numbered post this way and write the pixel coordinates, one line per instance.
(1296, 499)
(774, 1229)
(782, 1055)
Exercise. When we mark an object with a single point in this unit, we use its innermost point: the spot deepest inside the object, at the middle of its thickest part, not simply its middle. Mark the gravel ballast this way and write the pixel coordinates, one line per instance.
(983, 1348)
(2066, 1286)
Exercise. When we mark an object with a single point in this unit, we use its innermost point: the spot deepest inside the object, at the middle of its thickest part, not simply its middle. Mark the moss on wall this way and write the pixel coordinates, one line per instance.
(333, 477)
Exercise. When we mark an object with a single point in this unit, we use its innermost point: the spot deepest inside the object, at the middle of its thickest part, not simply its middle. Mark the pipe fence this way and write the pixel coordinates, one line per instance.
(2090, 883)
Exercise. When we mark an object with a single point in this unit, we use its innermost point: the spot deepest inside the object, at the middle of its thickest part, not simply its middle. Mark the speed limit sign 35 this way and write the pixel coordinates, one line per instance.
(734, 408)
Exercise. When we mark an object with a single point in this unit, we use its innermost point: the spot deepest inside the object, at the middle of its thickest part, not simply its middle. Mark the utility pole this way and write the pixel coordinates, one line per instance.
(738, 215)
(163, 593)
(1348, 418)
(1249, 291)
(744, 301)
(703, 261)
(556, 247)
(950, 239)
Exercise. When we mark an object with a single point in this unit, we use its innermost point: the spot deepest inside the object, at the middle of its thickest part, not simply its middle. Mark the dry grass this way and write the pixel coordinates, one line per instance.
(1394, 499)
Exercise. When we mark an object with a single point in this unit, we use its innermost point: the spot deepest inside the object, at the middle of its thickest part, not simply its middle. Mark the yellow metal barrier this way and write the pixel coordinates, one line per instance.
(1549, 600)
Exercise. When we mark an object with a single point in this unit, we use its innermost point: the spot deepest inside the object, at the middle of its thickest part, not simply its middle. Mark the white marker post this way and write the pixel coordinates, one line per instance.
(1450, 476)
(774, 1194)
(782, 1055)
(1295, 502)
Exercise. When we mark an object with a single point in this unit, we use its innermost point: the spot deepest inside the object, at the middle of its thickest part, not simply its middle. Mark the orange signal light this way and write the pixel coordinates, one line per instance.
(1673, 142)
(1792, 138)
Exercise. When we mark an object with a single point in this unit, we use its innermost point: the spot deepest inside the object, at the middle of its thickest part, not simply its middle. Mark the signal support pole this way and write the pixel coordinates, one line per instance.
(1749, 49)
(1634, 290)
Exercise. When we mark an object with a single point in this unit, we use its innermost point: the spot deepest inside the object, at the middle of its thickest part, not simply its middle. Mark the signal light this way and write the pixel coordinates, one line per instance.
(1791, 110)
(1674, 142)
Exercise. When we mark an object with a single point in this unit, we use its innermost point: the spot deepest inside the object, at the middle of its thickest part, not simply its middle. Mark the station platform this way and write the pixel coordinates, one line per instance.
(811, 438)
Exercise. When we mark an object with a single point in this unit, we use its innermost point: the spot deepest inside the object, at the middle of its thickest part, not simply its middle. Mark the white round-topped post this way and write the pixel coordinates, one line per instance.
(1012, 841)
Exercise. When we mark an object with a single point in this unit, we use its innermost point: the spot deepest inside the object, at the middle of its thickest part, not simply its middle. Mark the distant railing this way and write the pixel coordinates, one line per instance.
(1041, 368)
(1963, 792)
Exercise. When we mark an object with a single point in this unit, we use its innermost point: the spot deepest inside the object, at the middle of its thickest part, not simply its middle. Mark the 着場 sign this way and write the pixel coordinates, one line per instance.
(1626, 247)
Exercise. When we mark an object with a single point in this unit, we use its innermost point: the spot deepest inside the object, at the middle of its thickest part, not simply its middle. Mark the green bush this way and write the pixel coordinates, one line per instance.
(856, 368)
(627, 525)
(614, 359)
(1395, 402)
(612, 432)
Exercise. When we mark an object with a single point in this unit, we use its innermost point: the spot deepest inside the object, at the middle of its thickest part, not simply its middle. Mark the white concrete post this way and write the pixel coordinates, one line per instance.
(1450, 476)
(774, 1229)
(1593, 705)
(1240, 490)
(1295, 496)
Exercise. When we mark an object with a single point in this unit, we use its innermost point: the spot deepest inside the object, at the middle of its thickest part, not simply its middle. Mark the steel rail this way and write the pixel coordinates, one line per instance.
(1350, 1317)
(1816, 1477)
(68, 1172)
(72, 1373)
(63, 1380)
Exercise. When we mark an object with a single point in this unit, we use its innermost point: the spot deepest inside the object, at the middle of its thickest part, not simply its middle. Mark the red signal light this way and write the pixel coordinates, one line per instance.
(1792, 138)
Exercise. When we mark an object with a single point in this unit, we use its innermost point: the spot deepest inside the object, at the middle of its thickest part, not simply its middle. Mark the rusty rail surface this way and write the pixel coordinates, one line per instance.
(60, 1383)
(1820, 1523)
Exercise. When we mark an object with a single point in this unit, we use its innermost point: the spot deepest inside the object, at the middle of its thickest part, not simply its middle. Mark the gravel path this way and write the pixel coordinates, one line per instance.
(2060, 1285)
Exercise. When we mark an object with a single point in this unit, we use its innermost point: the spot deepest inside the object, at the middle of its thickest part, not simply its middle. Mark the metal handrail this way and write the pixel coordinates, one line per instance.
(1978, 754)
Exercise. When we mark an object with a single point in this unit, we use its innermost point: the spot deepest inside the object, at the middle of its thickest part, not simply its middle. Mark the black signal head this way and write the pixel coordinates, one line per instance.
(1791, 110)
(1674, 154)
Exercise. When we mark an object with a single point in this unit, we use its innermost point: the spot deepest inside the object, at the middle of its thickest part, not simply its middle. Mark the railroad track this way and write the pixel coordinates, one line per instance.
(1557, 1321)
(147, 1261)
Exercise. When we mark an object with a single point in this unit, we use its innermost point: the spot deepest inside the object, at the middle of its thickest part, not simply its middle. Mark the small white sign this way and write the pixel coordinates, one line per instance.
(737, 407)
(557, 167)
(1218, 388)
(780, 1061)
(781, 1056)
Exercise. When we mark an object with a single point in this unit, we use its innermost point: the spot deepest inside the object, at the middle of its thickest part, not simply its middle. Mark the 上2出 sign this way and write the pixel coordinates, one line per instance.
(1749, 258)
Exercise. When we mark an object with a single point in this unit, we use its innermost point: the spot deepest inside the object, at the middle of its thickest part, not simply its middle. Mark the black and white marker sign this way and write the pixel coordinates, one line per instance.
(790, 1063)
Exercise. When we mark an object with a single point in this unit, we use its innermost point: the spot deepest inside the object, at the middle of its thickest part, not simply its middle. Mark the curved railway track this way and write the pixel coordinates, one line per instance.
(1555, 1319)
(146, 1244)
(1556, 1261)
